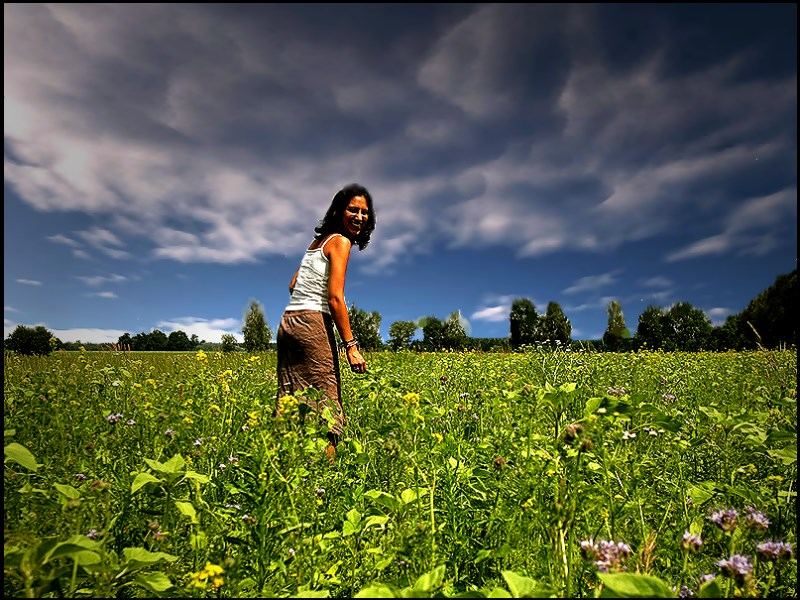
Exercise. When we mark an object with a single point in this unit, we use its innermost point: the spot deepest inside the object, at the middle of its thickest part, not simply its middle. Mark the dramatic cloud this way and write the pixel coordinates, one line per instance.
(210, 330)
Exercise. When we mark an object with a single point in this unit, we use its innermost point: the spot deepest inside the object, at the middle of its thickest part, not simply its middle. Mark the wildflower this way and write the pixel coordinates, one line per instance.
(628, 435)
(285, 404)
(774, 551)
(222, 466)
(130, 422)
(159, 535)
(737, 566)
(201, 356)
(80, 476)
(685, 592)
(616, 391)
(114, 418)
(170, 433)
(411, 398)
(691, 542)
(320, 492)
(724, 519)
(572, 431)
(668, 397)
(499, 463)
(606, 555)
(292, 552)
(443, 379)
(92, 534)
(463, 395)
(210, 575)
(233, 505)
(756, 519)
(153, 525)
(198, 442)
(233, 459)
(706, 578)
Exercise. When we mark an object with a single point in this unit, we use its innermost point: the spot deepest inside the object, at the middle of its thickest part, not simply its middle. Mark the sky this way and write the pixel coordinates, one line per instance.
(166, 164)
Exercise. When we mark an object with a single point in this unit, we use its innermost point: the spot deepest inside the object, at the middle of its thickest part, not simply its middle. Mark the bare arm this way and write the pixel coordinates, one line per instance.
(338, 253)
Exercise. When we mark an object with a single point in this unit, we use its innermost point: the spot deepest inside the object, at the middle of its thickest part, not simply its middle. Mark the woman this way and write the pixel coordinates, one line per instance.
(307, 355)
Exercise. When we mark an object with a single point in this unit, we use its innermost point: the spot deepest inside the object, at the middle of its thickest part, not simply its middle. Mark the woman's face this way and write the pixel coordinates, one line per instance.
(356, 215)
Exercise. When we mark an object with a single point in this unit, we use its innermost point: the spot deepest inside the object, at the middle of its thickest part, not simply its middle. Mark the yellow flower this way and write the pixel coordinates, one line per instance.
(438, 437)
(214, 408)
(151, 382)
(411, 398)
(188, 420)
(255, 358)
(287, 403)
(200, 580)
(201, 356)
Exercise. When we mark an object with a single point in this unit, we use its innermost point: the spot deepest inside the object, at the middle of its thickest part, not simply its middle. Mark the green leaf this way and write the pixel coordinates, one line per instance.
(592, 404)
(383, 498)
(631, 585)
(408, 496)
(173, 466)
(787, 456)
(349, 529)
(187, 509)
(155, 582)
(499, 593)
(139, 556)
(312, 594)
(197, 476)
(701, 492)
(9, 433)
(520, 586)
(71, 548)
(67, 490)
(430, 581)
(710, 589)
(376, 590)
(21, 455)
(378, 520)
(141, 480)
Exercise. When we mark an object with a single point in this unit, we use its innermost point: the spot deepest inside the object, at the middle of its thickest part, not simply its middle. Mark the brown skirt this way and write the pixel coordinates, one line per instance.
(307, 358)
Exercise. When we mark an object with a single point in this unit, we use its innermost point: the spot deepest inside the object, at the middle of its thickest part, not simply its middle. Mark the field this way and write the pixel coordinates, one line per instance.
(548, 473)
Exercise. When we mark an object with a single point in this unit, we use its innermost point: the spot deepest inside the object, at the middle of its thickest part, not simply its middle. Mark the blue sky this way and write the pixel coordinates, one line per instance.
(166, 164)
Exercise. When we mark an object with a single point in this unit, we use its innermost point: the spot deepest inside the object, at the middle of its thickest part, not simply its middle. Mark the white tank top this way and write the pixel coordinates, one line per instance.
(311, 288)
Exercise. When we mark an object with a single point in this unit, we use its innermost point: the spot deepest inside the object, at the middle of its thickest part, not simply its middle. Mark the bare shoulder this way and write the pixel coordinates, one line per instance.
(338, 245)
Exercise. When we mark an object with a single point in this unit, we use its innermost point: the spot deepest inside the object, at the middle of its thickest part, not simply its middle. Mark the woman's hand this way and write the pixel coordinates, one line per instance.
(357, 362)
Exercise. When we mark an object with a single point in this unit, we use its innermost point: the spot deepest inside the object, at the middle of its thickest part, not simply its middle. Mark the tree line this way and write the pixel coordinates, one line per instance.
(768, 321)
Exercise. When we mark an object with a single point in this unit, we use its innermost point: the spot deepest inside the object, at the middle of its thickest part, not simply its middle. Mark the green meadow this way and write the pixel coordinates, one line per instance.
(535, 474)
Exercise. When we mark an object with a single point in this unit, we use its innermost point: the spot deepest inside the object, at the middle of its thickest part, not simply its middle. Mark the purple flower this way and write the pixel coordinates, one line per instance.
(92, 534)
(706, 578)
(80, 477)
(756, 519)
(170, 433)
(114, 417)
(724, 519)
(606, 555)
(685, 592)
(737, 566)
(691, 542)
(668, 397)
(774, 550)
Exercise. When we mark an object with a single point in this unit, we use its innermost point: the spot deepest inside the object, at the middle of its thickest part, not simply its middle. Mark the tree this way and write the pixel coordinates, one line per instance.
(454, 334)
(256, 331)
(195, 341)
(229, 343)
(432, 334)
(650, 330)
(617, 334)
(400, 334)
(686, 328)
(772, 314)
(125, 341)
(178, 340)
(524, 323)
(555, 325)
(365, 327)
(29, 340)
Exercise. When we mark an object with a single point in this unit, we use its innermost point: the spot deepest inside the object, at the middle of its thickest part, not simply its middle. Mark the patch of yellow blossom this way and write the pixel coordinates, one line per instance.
(254, 359)
(208, 577)
(411, 398)
(287, 403)
(201, 356)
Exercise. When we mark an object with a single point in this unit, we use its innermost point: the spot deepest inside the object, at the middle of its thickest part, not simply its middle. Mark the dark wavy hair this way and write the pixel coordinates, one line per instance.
(332, 222)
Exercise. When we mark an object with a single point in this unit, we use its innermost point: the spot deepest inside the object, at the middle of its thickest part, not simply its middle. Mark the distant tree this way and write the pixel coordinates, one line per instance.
(770, 318)
(125, 341)
(256, 332)
(195, 341)
(728, 336)
(524, 323)
(555, 325)
(686, 328)
(229, 343)
(454, 334)
(366, 327)
(29, 340)
(158, 340)
(650, 331)
(178, 340)
(400, 334)
(617, 334)
(432, 333)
